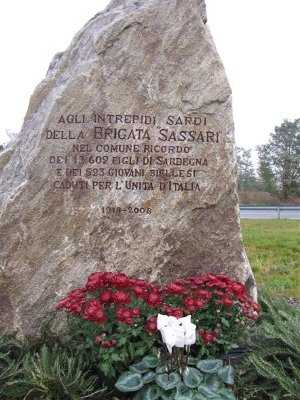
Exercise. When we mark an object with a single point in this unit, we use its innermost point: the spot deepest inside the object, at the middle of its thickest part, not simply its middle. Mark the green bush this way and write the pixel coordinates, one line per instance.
(10, 354)
(152, 378)
(271, 370)
(45, 368)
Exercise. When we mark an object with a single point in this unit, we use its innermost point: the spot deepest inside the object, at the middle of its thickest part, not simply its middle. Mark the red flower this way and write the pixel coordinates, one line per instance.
(253, 316)
(227, 301)
(208, 337)
(151, 325)
(219, 293)
(224, 278)
(136, 312)
(189, 302)
(153, 287)
(216, 284)
(203, 293)
(95, 281)
(199, 303)
(175, 288)
(97, 339)
(122, 313)
(109, 277)
(138, 290)
(153, 299)
(139, 282)
(120, 280)
(78, 294)
(126, 315)
(255, 306)
(106, 343)
(73, 304)
(121, 297)
(210, 277)
(129, 321)
(181, 282)
(94, 312)
(174, 312)
(106, 297)
(198, 280)
(237, 288)
(62, 303)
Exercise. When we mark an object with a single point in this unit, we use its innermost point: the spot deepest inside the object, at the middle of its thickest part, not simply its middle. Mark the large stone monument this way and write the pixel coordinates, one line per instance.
(125, 162)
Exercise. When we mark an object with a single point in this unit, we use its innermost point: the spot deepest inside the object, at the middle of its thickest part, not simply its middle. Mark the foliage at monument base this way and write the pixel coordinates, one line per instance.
(113, 318)
(199, 379)
(271, 371)
(48, 368)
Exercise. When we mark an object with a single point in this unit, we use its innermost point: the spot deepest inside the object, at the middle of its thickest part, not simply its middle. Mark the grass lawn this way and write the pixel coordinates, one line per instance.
(273, 249)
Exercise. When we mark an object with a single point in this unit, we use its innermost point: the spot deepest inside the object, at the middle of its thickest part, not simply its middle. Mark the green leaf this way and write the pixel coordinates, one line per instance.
(168, 395)
(192, 361)
(168, 381)
(192, 377)
(139, 395)
(115, 357)
(182, 391)
(209, 366)
(150, 361)
(152, 393)
(161, 368)
(129, 382)
(105, 368)
(149, 377)
(226, 374)
(122, 340)
(131, 350)
(226, 394)
(139, 367)
(140, 352)
(207, 391)
(198, 397)
(213, 381)
(225, 322)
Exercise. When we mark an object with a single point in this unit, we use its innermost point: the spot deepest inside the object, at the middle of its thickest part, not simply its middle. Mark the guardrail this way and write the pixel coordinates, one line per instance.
(277, 210)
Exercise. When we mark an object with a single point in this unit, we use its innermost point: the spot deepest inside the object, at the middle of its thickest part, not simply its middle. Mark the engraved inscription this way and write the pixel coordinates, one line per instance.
(128, 152)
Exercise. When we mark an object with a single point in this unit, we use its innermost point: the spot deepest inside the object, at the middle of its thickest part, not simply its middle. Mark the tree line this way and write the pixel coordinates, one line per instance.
(278, 167)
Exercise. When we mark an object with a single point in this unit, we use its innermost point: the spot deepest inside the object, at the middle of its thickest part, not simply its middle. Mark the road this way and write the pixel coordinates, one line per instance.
(270, 212)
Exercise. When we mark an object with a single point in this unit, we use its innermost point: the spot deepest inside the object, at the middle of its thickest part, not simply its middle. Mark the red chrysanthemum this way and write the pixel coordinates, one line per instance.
(199, 303)
(237, 288)
(106, 297)
(173, 312)
(153, 299)
(136, 312)
(189, 302)
(227, 301)
(121, 297)
(176, 289)
(151, 325)
(120, 280)
(94, 312)
(138, 290)
(73, 304)
(203, 293)
(95, 281)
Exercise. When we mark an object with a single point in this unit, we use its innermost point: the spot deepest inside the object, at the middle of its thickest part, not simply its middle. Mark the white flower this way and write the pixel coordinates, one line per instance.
(176, 332)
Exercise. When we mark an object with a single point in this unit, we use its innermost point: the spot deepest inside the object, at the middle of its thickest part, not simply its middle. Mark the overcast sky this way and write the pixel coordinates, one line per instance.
(258, 41)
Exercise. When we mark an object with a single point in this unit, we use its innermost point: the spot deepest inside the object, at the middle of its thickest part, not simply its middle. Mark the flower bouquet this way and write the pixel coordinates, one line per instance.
(117, 320)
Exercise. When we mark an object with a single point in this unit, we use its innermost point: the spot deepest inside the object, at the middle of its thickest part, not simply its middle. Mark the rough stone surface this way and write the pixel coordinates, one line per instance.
(137, 58)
